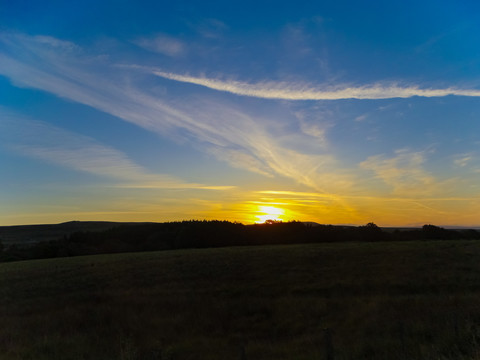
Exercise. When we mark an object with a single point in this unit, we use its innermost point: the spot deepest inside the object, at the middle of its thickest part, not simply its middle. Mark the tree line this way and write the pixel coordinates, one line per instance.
(206, 234)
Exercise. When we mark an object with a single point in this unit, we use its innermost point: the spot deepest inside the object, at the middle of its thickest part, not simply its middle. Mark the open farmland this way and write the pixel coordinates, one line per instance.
(379, 300)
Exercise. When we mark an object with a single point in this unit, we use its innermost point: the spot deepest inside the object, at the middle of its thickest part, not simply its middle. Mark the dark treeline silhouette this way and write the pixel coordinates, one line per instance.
(204, 234)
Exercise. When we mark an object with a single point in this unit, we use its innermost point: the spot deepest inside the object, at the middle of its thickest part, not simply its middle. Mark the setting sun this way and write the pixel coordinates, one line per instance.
(269, 213)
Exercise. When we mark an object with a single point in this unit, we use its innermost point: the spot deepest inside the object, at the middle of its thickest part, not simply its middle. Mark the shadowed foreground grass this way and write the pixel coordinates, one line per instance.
(412, 300)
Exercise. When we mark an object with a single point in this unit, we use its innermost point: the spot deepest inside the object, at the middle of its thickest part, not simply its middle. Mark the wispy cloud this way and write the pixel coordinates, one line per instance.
(314, 128)
(56, 43)
(361, 118)
(162, 44)
(57, 146)
(463, 160)
(221, 129)
(211, 28)
(293, 91)
(404, 173)
(317, 195)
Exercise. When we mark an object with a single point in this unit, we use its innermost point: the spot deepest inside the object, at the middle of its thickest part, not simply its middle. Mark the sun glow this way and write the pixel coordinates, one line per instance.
(265, 213)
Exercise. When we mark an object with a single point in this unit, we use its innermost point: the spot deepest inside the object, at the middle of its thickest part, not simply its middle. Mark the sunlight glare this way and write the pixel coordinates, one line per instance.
(265, 213)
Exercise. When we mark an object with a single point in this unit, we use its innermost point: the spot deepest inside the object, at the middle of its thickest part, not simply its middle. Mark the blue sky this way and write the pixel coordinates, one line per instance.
(338, 113)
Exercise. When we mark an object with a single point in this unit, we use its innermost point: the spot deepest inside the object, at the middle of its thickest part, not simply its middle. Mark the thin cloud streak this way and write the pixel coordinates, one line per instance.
(289, 91)
(302, 194)
(162, 185)
(48, 143)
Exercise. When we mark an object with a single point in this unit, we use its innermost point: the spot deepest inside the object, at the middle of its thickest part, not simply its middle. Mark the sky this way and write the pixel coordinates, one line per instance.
(339, 112)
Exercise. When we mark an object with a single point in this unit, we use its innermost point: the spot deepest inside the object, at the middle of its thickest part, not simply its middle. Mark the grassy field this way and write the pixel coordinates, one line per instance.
(410, 300)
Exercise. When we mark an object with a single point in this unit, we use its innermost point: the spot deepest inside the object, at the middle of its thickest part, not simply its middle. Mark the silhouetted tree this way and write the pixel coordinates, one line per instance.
(431, 228)
(372, 227)
(371, 232)
(436, 232)
(271, 222)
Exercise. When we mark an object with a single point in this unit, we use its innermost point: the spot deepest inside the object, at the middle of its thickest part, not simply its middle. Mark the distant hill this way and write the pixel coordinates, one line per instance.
(77, 238)
(28, 234)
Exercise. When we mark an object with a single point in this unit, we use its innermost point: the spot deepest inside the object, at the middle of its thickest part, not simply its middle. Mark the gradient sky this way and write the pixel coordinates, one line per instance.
(339, 112)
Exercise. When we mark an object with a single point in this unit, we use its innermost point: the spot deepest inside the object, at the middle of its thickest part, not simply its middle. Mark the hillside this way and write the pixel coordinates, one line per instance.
(28, 234)
(105, 238)
(395, 300)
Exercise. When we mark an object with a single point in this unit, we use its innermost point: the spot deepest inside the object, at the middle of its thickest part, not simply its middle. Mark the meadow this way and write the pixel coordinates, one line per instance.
(378, 300)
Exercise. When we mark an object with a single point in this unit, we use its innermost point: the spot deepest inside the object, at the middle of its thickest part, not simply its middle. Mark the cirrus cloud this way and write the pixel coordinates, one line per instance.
(300, 91)
(48, 143)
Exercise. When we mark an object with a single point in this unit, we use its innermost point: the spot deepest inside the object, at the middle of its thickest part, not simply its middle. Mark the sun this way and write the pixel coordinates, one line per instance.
(265, 213)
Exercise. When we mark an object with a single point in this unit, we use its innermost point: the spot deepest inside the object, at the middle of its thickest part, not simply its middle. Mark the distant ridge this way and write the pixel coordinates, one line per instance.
(27, 234)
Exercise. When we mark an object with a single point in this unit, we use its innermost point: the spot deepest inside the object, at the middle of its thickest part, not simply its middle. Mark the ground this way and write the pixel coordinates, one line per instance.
(385, 300)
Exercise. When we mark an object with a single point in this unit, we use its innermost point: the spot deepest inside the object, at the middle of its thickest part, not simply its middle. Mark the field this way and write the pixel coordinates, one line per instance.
(392, 300)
